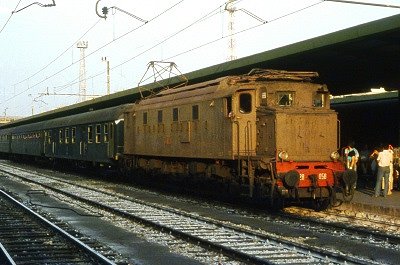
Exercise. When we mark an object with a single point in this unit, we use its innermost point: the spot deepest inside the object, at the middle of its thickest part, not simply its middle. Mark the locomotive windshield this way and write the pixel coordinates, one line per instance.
(285, 98)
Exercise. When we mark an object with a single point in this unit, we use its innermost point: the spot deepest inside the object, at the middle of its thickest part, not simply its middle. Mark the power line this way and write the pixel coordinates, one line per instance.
(166, 39)
(55, 59)
(363, 3)
(12, 13)
(208, 15)
(65, 68)
(245, 30)
(37, 3)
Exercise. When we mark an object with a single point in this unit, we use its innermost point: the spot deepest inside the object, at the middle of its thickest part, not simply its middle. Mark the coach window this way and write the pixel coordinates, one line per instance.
(73, 135)
(285, 98)
(66, 135)
(98, 133)
(195, 112)
(48, 137)
(175, 114)
(245, 103)
(111, 130)
(90, 134)
(106, 131)
(60, 136)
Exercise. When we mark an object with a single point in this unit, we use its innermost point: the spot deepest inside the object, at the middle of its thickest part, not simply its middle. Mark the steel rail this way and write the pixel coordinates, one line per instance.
(94, 254)
(9, 260)
(322, 254)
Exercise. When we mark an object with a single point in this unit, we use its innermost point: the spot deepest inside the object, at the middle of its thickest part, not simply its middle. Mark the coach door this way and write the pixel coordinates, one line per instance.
(109, 138)
(48, 144)
(86, 137)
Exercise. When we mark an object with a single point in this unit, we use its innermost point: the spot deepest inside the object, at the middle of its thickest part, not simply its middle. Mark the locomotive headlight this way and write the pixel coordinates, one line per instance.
(283, 155)
(335, 155)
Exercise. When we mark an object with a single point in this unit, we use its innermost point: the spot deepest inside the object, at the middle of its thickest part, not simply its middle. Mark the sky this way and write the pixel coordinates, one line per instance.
(40, 62)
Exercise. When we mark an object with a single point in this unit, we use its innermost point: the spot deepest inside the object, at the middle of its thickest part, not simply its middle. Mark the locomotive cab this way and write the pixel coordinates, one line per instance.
(285, 136)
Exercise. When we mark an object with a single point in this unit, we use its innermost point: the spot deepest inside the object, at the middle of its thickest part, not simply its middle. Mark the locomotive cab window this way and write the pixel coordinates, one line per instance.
(228, 106)
(320, 99)
(285, 98)
(245, 103)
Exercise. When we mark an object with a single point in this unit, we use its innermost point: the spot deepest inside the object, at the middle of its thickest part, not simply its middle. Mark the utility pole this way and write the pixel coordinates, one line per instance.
(104, 59)
(82, 45)
(231, 44)
(5, 114)
(232, 10)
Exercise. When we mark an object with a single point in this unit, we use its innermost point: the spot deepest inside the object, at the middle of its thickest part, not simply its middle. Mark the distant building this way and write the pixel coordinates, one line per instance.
(8, 119)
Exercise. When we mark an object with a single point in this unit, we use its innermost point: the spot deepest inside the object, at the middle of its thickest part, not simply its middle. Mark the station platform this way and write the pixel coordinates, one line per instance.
(364, 201)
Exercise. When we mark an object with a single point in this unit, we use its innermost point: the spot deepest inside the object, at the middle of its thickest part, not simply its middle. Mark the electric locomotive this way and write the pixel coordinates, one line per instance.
(268, 135)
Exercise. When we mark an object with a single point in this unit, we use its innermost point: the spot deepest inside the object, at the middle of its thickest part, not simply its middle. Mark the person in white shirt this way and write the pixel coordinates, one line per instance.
(384, 159)
(390, 148)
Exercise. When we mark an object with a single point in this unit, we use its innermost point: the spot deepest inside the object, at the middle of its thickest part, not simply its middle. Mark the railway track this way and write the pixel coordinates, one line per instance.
(378, 230)
(241, 243)
(28, 238)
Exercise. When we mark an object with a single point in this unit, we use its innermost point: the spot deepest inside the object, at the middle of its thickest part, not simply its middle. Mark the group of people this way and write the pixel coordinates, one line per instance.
(382, 159)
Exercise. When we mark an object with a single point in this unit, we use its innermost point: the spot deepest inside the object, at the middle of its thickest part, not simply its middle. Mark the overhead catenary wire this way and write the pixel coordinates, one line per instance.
(245, 30)
(363, 3)
(210, 14)
(36, 3)
(98, 49)
(181, 53)
(59, 56)
(8, 20)
(115, 39)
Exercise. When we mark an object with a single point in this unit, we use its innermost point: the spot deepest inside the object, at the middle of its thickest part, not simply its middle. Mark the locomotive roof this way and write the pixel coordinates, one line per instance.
(96, 116)
(253, 76)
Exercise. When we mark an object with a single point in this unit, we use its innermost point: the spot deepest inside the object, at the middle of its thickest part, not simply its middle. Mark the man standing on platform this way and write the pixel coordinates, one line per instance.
(384, 159)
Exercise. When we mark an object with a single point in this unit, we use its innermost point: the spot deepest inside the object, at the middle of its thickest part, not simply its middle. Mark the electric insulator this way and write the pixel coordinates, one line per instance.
(105, 10)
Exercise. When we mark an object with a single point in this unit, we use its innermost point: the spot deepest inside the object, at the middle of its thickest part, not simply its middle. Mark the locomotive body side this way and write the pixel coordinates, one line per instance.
(169, 127)
(176, 132)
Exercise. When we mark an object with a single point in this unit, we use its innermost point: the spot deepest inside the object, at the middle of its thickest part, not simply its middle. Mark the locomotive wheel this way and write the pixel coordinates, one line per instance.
(234, 189)
(321, 204)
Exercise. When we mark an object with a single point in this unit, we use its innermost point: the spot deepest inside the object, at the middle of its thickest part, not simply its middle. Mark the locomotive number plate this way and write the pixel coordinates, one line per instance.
(322, 176)
(302, 176)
